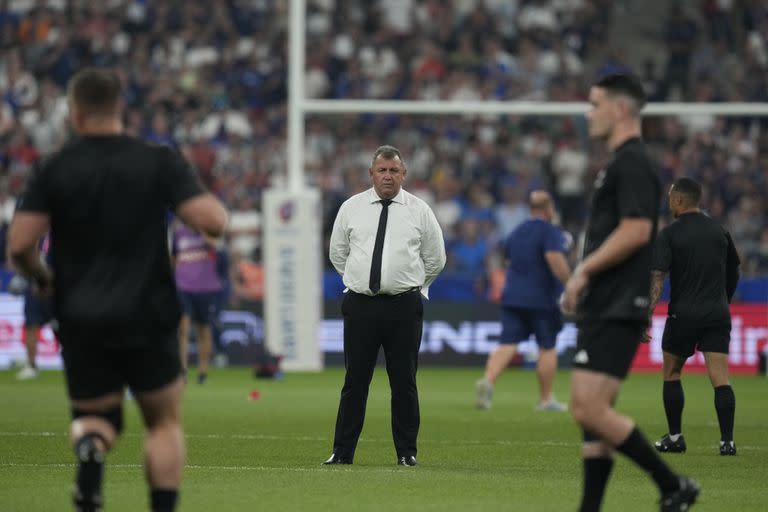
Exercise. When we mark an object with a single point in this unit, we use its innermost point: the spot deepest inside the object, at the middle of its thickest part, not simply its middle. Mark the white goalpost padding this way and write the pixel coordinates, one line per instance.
(293, 298)
(293, 291)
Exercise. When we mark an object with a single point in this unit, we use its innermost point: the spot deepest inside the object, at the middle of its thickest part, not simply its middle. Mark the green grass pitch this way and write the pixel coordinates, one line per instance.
(265, 454)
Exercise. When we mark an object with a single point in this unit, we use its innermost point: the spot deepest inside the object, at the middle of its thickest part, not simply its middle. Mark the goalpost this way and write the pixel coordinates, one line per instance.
(292, 238)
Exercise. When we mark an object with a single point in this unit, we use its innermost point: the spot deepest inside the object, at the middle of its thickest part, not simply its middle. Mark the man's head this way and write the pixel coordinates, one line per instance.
(615, 100)
(387, 171)
(684, 195)
(94, 96)
(541, 205)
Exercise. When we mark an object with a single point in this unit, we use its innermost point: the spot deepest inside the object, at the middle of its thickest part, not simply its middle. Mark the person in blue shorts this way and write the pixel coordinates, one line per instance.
(535, 253)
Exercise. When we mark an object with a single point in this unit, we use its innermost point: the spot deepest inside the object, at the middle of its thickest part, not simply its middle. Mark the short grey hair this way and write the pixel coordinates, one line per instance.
(388, 152)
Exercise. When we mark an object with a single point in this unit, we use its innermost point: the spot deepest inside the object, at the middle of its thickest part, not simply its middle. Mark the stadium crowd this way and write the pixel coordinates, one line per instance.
(210, 79)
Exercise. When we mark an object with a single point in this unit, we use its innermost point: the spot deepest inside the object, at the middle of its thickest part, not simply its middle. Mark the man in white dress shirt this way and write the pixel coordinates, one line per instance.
(388, 246)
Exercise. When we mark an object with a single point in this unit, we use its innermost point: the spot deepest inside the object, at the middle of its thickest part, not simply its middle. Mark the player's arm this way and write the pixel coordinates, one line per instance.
(731, 268)
(196, 207)
(558, 265)
(24, 234)
(660, 265)
(205, 214)
(657, 285)
(30, 223)
(631, 234)
(212, 241)
(557, 245)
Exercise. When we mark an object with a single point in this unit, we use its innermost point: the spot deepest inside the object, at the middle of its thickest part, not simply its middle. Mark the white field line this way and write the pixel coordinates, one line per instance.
(265, 437)
(296, 469)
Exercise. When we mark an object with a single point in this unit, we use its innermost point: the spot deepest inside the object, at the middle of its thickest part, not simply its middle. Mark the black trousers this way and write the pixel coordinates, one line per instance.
(393, 322)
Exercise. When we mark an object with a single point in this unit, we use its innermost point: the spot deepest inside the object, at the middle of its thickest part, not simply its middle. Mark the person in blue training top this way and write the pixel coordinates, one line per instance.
(537, 269)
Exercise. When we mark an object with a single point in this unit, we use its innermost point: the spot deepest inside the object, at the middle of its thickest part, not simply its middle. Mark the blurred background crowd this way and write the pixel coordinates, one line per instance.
(210, 78)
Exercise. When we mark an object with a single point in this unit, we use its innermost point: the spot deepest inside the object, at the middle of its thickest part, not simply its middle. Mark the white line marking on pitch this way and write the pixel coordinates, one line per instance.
(265, 437)
(197, 466)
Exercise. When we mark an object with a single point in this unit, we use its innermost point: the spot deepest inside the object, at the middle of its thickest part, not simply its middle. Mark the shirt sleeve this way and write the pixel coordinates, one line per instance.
(662, 252)
(637, 190)
(180, 179)
(35, 197)
(555, 241)
(339, 244)
(432, 249)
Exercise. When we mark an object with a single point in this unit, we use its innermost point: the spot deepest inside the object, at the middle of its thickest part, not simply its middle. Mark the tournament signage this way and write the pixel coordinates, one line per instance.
(455, 334)
(292, 261)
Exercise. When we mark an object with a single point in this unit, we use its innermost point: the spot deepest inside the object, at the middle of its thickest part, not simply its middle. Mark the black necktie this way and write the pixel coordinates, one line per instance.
(378, 247)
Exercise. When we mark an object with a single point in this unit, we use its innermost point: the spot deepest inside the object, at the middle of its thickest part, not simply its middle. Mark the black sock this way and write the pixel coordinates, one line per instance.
(164, 500)
(674, 401)
(637, 448)
(725, 405)
(87, 495)
(596, 474)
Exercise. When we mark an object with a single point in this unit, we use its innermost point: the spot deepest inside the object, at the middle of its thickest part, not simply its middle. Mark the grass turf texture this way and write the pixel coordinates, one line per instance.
(265, 454)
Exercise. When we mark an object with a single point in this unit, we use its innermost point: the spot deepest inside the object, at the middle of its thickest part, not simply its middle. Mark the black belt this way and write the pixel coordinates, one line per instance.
(406, 292)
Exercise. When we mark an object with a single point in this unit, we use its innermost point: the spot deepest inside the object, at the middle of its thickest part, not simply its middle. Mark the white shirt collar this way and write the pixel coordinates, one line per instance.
(373, 197)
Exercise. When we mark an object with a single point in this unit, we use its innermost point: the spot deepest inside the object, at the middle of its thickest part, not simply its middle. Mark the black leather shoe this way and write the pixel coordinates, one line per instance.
(337, 459)
(667, 445)
(407, 460)
(727, 448)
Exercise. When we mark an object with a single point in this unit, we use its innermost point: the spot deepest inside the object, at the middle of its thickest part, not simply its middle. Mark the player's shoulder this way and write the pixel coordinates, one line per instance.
(698, 219)
(47, 162)
(153, 146)
(123, 144)
(145, 149)
(552, 228)
(634, 157)
(61, 156)
(557, 233)
(540, 226)
(715, 226)
(151, 158)
(522, 231)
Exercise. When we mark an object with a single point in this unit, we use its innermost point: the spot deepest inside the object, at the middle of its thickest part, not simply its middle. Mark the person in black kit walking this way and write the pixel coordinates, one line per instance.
(105, 197)
(703, 268)
(609, 293)
(388, 246)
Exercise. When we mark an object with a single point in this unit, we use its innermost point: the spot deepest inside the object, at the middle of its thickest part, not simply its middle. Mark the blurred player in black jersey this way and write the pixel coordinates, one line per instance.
(105, 197)
(609, 293)
(703, 268)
